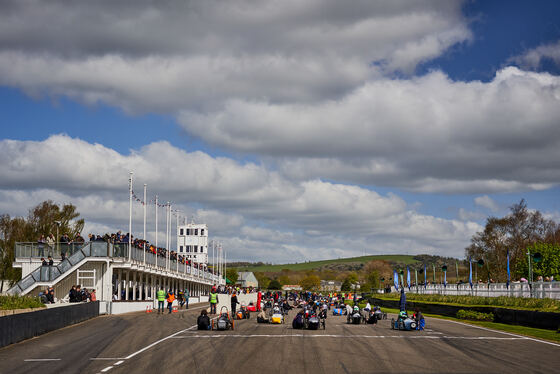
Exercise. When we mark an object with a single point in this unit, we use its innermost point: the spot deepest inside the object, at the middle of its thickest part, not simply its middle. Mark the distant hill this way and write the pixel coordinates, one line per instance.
(395, 259)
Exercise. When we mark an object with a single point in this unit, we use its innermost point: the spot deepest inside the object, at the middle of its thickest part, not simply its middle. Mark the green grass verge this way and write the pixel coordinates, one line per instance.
(549, 335)
(20, 302)
(541, 305)
(406, 259)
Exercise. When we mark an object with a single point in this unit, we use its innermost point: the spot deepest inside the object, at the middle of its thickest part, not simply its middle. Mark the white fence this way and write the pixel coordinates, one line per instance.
(537, 289)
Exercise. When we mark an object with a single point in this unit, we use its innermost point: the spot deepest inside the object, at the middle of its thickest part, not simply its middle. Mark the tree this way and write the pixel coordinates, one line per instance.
(548, 266)
(346, 285)
(232, 275)
(264, 281)
(40, 221)
(515, 232)
(284, 279)
(274, 285)
(311, 283)
(371, 281)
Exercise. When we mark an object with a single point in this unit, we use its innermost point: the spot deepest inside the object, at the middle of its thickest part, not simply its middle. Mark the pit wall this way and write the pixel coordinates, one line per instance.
(18, 327)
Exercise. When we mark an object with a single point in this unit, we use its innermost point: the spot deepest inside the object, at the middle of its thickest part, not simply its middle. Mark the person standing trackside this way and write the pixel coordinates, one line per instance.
(234, 303)
(170, 299)
(161, 299)
(186, 294)
(213, 301)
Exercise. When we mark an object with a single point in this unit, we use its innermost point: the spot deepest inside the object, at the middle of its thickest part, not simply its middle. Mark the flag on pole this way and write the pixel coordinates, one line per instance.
(416, 278)
(408, 277)
(434, 269)
(508, 275)
(444, 278)
(425, 276)
(470, 272)
(396, 279)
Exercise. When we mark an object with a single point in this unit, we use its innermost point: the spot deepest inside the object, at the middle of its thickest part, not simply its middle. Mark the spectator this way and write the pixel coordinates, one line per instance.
(92, 296)
(50, 241)
(41, 245)
(78, 239)
(50, 295)
(43, 262)
(73, 295)
(62, 256)
(234, 303)
(51, 262)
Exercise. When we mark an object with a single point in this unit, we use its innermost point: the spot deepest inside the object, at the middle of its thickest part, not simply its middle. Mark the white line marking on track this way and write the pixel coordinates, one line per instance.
(157, 342)
(119, 362)
(346, 336)
(41, 359)
(502, 332)
(106, 369)
(106, 358)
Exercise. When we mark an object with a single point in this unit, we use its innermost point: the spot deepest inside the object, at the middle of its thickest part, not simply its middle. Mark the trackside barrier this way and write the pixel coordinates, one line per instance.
(529, 318)
(17, 327)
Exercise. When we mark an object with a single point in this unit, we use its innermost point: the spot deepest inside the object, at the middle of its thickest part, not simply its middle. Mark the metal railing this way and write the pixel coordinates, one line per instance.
(536, 289)
(45, 274)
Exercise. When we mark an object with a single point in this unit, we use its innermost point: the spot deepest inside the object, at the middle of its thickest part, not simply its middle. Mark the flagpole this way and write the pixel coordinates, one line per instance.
(167, 235)
(130, 219)
(145, 190)
(156, 221)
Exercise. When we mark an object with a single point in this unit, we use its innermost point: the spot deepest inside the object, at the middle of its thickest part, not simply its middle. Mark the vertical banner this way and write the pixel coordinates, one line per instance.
(508, 275)
(408, 277)
(425, 276)
(445, 278)
(396, 279)
(416, 278)
(470, 272)
(434, 269)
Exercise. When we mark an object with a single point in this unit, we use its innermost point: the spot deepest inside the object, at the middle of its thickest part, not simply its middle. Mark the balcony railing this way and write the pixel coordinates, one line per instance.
(75, 252)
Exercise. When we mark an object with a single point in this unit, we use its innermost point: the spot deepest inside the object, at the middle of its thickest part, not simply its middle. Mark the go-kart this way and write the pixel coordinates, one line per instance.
(224, 321)
(251, 307)
(243, 313)
(355, 318)
(277, 316)
(406, 323)
(339, 311)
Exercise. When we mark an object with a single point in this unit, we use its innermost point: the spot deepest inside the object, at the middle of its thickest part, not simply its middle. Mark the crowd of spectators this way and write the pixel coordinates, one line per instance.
(77, 294)
(114, 238)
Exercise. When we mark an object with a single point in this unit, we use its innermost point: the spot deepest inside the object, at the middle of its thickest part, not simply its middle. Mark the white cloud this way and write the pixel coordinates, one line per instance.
(533, 58)
(246, 205)
(487, 202)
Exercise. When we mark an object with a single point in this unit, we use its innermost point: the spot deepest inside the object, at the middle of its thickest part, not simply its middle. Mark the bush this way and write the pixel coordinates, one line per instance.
(20, 302)
(473, 315)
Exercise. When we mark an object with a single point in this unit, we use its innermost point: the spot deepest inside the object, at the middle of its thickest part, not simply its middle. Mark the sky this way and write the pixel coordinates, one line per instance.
(296, 130)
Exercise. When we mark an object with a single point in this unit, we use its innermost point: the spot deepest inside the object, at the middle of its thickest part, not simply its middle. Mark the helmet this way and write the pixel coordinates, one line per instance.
(356, 309)
(402, 314)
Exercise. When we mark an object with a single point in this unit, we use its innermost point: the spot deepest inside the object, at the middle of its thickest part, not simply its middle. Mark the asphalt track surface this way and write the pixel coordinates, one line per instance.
(152, 343)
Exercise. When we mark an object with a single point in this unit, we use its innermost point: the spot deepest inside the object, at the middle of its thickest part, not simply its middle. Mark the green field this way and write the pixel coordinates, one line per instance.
(406, 259)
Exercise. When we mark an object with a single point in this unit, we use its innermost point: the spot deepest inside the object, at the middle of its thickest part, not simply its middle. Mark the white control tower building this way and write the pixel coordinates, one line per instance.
(192, 241)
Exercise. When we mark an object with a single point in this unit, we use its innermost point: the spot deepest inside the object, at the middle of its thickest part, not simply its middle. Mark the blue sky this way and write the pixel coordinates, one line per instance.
(266, 131)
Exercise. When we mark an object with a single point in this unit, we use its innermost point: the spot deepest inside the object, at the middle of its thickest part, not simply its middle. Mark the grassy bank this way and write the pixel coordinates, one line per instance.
(20, 302)
(406, 259)
(542, 305)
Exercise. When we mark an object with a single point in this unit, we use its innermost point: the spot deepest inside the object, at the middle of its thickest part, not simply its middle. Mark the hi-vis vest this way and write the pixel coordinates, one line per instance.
(161, 295)
(171, 297)
(213, 298)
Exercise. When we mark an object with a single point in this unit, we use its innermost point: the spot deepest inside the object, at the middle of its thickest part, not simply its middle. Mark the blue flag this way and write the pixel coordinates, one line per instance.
(425, 276)
(445, 279)
(408, 277)
(508, 279)
(396, 279)
(470, 272)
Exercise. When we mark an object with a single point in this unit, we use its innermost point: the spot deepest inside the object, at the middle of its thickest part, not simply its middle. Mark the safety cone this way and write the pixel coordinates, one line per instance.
(149, 309)
(175, 309)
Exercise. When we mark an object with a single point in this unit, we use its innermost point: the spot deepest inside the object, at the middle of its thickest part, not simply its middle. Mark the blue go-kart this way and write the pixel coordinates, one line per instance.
(403, 322)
